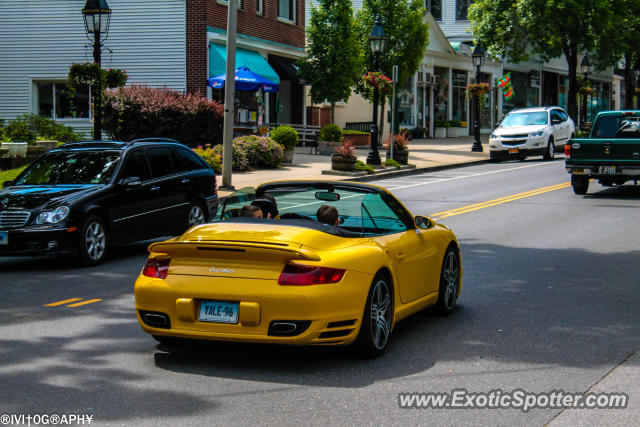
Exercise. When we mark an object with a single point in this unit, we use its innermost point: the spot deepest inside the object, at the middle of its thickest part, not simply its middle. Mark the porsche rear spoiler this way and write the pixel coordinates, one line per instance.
(230, 246)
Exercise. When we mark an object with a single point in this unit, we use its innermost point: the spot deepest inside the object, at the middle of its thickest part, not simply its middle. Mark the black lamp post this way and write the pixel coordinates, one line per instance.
(97, 15)
(585, 67)
(477, 57)
(378, 41)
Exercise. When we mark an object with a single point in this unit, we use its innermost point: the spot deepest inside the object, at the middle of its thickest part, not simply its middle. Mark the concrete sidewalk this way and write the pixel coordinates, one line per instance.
(425, 154)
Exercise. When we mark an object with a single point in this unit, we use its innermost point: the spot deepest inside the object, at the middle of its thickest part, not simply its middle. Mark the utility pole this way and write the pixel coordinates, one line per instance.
(229, 96)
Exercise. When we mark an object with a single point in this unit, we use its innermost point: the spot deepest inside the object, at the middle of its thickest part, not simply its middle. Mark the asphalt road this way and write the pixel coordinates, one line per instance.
(550, 301)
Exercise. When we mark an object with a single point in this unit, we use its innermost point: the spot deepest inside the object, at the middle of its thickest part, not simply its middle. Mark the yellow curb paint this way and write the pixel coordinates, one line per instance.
(53, 304)
(78, 304)
(501, 200)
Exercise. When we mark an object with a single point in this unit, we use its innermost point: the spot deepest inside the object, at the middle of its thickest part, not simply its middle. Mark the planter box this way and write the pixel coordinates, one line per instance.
(287, 157)
(48, 144)
(454, 132)
(358, 139)
(16, 149)
(401, 157)
(340, 163)
(328, 147)
(441, 132)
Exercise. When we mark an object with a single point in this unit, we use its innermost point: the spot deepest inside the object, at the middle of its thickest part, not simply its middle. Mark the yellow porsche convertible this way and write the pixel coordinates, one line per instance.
(300, 262)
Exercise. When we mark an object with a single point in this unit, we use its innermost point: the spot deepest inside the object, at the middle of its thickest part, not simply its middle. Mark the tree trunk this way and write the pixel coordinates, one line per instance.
(571, 54)
(629, 86)
(333, 112)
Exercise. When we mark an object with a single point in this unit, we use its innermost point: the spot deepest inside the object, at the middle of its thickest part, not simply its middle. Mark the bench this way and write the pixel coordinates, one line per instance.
(308, 135)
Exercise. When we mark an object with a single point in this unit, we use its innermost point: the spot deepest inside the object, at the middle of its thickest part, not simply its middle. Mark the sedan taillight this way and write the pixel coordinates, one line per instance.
(157, 267)
(567, 151)
(301, 275)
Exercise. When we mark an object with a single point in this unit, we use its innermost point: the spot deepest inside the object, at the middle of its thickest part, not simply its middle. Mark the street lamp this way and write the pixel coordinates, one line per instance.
(97, 16)
(378, 41)
(585, 67)
(477, 57)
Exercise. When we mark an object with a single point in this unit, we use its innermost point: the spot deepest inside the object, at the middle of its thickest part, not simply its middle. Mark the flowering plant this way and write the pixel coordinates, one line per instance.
(477, 89)
(586, 90)
(376, 79)
(400, 142)
(347, 149)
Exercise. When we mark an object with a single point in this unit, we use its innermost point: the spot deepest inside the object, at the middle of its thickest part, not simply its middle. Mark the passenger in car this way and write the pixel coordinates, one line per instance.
(268, 206)
(327, 214)
(250, 211)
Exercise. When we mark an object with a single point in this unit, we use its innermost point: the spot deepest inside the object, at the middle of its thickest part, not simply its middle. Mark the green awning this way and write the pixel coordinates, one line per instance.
(247, 58)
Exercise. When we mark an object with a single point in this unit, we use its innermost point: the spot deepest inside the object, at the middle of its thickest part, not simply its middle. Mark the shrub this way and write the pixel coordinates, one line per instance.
(239, 159)
(400, 142)
(210, 157)
(142, 112)
(454, 123)
(330, 132)
(29, 127)
(353, 132)
(19, 131)
(347, 149)
(285, 136)
(262, 152)
(392, 163)
(441, 123)
(362, 166)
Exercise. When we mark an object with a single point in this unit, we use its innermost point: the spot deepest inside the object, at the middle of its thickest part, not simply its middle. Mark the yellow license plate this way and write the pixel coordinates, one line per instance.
(513, 150)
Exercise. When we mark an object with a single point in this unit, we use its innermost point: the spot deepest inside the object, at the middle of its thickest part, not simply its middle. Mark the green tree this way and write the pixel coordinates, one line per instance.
(619, 40)
(333, 57)
(407, 39)
(514, 30)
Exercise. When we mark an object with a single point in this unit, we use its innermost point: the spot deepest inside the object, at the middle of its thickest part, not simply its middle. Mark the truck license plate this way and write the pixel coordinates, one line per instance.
(607, 169)
(218, 312)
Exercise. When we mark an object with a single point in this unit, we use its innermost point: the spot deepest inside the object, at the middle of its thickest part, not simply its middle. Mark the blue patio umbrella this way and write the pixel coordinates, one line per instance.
(245, 80)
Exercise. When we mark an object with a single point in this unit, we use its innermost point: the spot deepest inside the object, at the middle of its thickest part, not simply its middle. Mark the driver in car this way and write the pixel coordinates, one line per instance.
(268, 206)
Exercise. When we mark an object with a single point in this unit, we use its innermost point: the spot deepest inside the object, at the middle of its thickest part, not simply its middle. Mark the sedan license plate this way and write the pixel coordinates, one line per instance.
(4, 237)
(607, 169)
(513, 150)
(218, 312)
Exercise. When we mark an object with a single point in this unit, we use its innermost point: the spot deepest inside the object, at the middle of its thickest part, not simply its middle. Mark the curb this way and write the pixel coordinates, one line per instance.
(415, 171)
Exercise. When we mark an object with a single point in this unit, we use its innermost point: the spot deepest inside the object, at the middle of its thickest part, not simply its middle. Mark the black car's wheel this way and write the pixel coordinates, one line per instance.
(580, 184)
(493, 157)
(196, 215)
(93, 241)
(449, 282)
(373, 338)
(550, 152)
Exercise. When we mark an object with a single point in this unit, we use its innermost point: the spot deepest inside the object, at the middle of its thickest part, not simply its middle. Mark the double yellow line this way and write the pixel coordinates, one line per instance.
(73, 300)
(499, 201)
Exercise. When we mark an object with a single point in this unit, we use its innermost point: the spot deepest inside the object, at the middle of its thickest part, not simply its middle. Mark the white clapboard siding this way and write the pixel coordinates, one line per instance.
(40, 39)
(450, 27)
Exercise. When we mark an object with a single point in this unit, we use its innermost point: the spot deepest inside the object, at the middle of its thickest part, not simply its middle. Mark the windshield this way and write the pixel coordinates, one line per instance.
(525, 119)
(359, 210)
(617, 127)
(71, 167)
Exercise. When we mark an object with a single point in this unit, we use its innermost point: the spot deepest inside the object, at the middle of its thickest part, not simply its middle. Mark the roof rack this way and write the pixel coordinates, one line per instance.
(156, 140)
(93, 144)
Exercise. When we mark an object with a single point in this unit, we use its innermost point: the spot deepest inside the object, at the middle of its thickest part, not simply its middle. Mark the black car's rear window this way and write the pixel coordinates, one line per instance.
(71, 167)
(616, 127)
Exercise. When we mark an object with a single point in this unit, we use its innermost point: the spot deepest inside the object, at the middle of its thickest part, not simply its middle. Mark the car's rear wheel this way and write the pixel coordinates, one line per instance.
(493, 157)
(550, 153)
(196, 215)
(449, 282)
(580, 184)
(375, 329)
(93, 241)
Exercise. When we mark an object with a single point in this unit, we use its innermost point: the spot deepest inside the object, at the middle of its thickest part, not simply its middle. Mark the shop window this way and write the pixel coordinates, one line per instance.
(441, 94)
(435, 7)
(55, 101)
(260, 7)
(459, 104)
(406, 104)
(462, 7)
(287, 10)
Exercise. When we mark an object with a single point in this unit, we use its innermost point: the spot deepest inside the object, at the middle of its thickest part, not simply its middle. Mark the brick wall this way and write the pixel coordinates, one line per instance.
(203, 13)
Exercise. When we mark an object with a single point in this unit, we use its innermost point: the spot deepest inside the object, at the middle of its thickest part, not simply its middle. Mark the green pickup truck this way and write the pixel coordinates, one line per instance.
(611, 154)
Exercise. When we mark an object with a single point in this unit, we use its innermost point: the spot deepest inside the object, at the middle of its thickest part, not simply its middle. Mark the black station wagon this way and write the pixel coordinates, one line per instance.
(87, 197)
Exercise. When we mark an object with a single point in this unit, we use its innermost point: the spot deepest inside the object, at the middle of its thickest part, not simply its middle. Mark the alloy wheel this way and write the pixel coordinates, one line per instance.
(196, 215)
(95, 241)
(380, 314)
(450, 276)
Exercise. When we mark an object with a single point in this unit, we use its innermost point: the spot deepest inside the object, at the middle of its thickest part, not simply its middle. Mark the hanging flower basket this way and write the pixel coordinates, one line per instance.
(477, 89)
(376, 79)
(586, 90)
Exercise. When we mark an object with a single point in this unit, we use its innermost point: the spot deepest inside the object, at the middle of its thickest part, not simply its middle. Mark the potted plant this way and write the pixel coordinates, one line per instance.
(441, 128)
(329, 139)
(288, 138)
(344, 159)
(400, 148)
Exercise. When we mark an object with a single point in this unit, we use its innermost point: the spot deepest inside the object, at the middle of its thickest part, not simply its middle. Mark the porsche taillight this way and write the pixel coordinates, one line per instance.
(156, 267)
(567, 151)
(302, 275)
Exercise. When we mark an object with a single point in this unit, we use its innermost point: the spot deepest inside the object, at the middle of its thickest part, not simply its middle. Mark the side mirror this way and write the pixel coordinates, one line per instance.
(132, 181)
(7, 184)
(422, 222)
